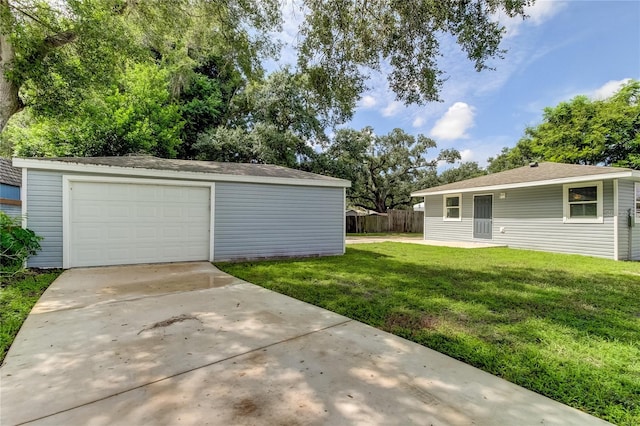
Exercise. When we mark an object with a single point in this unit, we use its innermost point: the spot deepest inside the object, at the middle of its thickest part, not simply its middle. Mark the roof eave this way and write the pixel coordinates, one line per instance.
(604, 176)
(31, 163)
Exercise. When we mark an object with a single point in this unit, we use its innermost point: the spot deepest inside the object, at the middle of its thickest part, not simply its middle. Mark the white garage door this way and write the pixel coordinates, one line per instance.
(124, 223)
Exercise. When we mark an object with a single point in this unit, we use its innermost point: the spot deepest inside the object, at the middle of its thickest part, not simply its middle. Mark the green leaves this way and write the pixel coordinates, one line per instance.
(16, 244)
(582, 131)
(383, 170)
(342, 39)
(136, 115)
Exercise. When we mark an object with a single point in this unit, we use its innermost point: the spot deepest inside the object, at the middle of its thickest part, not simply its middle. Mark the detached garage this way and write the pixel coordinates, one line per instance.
(126, 210)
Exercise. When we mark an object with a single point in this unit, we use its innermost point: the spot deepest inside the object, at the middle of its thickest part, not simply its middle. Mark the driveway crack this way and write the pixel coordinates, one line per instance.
(178, 319)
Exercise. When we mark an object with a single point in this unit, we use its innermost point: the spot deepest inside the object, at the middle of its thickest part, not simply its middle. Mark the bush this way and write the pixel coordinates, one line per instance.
(16, 244)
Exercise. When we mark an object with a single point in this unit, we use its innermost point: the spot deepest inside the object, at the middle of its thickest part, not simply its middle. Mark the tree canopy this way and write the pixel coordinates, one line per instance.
(383, 170)
(582, 131)
(52, 52)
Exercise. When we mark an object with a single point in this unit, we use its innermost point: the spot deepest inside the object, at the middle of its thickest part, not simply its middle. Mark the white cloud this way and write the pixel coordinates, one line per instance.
(368, 101)
(538, 13)
(392, 109)
(608, 89)
(418, 122)
(467, 155)
(454, 123)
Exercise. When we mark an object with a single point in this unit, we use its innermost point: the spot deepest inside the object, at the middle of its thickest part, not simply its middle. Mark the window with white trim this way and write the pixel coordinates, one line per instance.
(452, 204)
(583, 202)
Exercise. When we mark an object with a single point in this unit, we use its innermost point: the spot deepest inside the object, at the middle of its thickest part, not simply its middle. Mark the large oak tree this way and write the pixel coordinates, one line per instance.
(50, 52)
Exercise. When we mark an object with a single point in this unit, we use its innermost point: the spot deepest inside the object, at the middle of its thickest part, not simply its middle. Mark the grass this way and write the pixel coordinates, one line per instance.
(564, 326)
(388, 235)
(17, 296)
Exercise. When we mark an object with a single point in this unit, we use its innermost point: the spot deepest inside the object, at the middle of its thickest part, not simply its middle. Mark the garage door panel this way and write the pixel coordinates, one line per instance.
(126, 223)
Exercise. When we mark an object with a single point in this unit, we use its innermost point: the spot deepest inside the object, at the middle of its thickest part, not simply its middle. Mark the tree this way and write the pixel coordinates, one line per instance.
(583, 131)
(466, 170)
(383, 170)
(135, 115)
(52, 53)
(278, 125)
(57, 50)
(343, 40)
(510, 158)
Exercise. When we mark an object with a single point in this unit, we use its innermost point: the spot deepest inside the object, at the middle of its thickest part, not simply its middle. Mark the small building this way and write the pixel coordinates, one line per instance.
(10, 183)
(141, 209)
(555, 207)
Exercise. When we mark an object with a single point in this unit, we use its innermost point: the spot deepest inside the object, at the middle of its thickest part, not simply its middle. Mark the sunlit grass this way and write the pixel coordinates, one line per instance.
(567, 327)
(18, 294)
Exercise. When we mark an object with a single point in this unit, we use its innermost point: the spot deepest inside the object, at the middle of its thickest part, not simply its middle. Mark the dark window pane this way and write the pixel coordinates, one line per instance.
(584, 210)
(587, 193)
(453, 212)
(453, 202)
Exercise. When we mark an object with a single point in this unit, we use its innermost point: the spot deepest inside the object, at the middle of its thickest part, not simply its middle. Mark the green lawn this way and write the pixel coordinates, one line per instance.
(17, 297)
(567, 327)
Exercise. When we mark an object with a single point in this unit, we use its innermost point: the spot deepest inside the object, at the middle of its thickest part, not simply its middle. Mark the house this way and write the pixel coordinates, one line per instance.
(10, 182)
(418, 207)
(566, 208)
(141, 209)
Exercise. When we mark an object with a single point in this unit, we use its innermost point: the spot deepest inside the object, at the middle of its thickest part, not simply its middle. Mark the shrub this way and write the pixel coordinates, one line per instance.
(16, 244)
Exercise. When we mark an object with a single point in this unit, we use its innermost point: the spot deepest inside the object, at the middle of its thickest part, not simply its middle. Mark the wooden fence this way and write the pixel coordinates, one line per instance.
(394, 221)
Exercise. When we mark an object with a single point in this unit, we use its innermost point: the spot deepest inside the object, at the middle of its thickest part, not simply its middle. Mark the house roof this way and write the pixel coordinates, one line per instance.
(182, 169)
(532, 175)
(10, 175)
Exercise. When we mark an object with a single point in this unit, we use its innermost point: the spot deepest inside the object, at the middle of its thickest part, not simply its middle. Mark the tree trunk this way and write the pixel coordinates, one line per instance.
(10, 102)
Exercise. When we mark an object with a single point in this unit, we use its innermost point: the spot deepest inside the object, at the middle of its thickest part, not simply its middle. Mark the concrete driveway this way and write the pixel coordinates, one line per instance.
(188, 344)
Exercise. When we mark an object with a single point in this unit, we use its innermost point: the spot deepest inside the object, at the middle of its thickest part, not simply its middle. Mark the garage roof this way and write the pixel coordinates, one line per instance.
(532, 175)
(142, 165)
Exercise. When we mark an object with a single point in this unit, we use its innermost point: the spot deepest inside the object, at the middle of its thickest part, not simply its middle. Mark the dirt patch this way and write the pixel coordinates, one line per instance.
(410, 322)
(170, 321)
(245, 407)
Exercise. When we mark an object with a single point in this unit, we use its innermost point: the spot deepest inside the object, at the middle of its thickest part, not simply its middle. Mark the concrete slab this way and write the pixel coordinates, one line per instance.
(229, 352)
(458, 244)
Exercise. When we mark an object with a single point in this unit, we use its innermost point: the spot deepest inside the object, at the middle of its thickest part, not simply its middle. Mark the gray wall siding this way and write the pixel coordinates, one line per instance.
(255, 221)
(44, 216)
(626, 235)
(11, 210)
(435, 228)
(625, 201)
(529, 218)
(251, 220)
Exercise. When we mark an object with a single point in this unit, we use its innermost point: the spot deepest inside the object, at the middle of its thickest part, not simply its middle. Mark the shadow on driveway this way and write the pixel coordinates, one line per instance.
(186, 343)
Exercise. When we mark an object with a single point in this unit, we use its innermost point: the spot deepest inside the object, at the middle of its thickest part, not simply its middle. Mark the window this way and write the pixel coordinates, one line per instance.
(583, 202)
(452, 207)
(637, 185)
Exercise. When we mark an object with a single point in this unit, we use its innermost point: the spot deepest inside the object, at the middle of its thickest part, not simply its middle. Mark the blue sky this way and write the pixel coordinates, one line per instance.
(564, 49)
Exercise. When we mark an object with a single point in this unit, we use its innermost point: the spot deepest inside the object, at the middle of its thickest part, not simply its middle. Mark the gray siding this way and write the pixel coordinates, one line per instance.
(251, 220)
(528, 218)
(435, 228)
(44, 216)
(11, 210)
(256, 221)
(625, 202)
(628, 238)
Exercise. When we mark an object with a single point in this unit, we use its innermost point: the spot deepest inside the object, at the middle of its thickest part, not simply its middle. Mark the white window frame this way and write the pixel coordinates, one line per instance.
(444, 207)
(599, 206)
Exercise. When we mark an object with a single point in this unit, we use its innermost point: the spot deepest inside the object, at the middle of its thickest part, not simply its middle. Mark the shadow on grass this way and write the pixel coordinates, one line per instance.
(564, 326)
